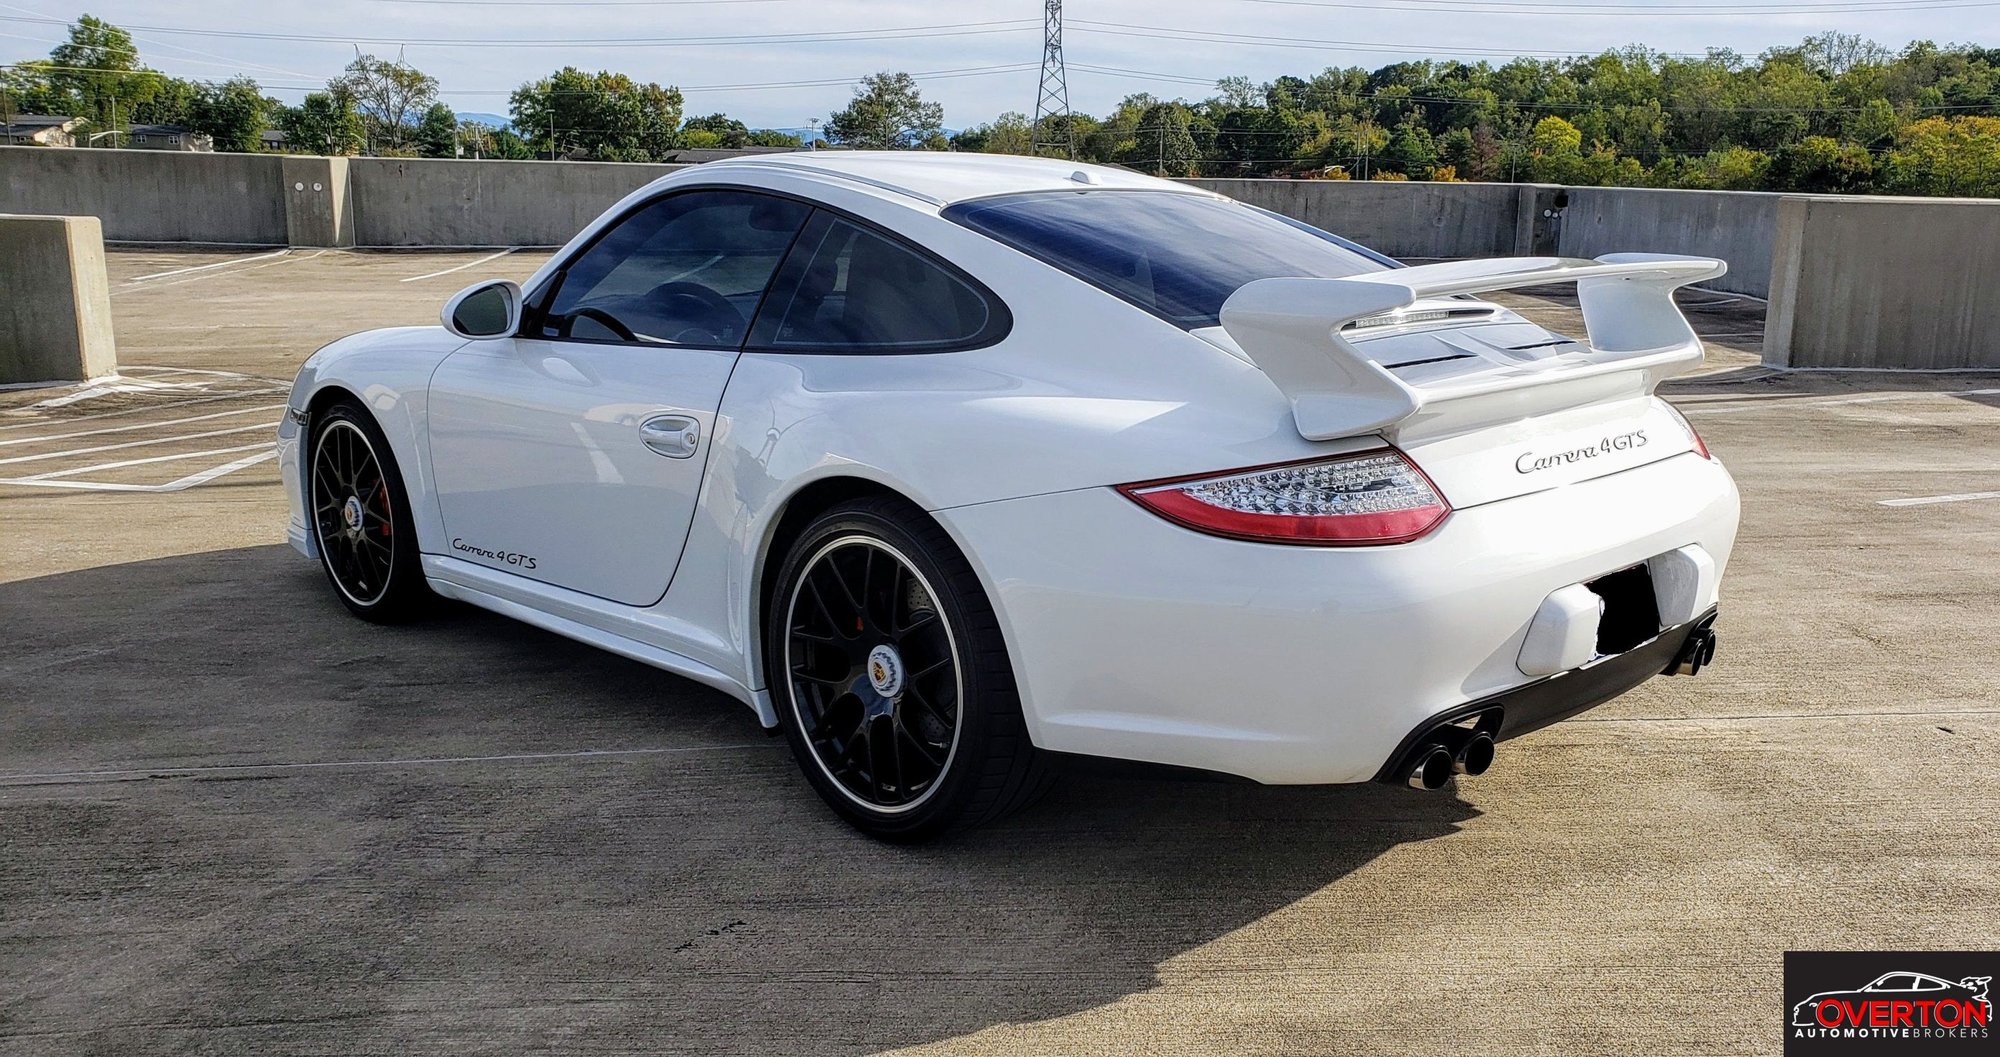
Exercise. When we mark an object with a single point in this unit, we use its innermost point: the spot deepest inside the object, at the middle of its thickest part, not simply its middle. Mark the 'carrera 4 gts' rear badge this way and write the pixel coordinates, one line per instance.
(1856, 1002)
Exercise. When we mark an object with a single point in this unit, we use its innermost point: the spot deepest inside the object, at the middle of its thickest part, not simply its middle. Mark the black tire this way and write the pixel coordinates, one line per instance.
(360, 517)
(844, 704)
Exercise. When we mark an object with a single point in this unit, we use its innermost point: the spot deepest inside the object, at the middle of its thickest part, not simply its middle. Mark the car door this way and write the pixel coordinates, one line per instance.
(572, 452)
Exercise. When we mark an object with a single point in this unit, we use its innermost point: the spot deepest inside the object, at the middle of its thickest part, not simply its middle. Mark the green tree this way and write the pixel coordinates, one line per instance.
(1947, 156)
(437, 132)
(391, 98)
(96, 73)
(509, 146)
(1164, 142)
(233, 113)
(605, 116)
(1411, 151)
(1823, 165)
(888, 113)
(475, 139)
(28, 88)
(1010, 133)
(726, 130)
(323, 123)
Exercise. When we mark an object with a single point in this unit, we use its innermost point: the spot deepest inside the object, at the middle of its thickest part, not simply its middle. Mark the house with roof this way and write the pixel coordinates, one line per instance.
(167, 137)
(44, 130)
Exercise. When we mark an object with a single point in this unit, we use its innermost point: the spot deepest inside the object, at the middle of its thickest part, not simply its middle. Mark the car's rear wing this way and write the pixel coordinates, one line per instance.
(1292, 330)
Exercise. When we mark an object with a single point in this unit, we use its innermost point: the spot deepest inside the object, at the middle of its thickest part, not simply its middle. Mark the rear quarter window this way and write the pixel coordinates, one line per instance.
(1176, 255)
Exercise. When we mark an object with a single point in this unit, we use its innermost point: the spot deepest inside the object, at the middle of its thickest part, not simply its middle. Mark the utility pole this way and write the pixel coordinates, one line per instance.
(1052, 103)
(812, 133)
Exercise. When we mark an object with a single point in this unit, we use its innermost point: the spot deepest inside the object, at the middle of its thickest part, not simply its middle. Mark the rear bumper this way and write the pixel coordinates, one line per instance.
(1530, 708)
(1136, 639)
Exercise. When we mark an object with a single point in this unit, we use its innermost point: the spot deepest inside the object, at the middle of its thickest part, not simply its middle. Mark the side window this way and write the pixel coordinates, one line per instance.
(688, 269)
(848, 289)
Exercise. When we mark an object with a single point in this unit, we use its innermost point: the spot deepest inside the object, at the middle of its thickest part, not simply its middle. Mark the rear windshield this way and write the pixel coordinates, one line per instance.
(1178, 256)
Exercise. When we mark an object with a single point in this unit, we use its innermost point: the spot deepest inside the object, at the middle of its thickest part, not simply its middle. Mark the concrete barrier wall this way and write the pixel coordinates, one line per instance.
(1885, 282)
(55, 320)
(1876, 282)
(448, 202)
(1401, 219)
(1736, 226)
(150, 196)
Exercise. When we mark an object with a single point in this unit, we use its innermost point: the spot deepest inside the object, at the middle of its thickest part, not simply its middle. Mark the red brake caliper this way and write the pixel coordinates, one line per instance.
(388, 516)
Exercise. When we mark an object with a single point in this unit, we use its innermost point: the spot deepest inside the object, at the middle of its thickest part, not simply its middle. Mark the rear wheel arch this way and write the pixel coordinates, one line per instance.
(798, 511)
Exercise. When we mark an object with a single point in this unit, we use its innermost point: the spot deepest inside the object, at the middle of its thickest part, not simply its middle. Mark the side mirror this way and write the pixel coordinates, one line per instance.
(491, 309)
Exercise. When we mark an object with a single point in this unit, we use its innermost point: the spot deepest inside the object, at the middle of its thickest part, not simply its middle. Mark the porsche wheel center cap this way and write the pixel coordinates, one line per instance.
(885, 670)
(350, 512)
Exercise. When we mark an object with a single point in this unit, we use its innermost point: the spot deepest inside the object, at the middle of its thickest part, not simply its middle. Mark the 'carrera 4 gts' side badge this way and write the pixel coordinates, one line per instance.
(516, 558)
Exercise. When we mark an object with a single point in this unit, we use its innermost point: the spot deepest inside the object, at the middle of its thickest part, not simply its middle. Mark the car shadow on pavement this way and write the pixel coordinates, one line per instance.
(240, 820)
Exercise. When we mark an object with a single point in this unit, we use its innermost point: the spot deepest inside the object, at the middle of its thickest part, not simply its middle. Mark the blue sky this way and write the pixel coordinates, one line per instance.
(1145, 39)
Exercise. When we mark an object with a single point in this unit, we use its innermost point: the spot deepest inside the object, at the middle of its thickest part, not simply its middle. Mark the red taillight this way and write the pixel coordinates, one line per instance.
(1375, 497)
(1700, 446)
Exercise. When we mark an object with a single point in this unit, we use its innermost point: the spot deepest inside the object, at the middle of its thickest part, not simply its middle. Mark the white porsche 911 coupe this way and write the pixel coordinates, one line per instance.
(948, 464)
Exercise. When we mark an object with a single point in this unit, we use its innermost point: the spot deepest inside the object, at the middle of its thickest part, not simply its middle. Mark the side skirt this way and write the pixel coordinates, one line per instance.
(438, 572)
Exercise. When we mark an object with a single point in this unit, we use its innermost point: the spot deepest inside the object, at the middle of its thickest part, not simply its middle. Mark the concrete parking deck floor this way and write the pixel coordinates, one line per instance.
(237, 821)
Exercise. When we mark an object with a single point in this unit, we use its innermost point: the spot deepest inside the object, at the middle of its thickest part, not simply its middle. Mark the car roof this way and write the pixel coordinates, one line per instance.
(941, 178)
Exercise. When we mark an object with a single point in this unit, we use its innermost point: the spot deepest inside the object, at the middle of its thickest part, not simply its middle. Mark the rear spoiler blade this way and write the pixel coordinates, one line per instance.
(1291, 329)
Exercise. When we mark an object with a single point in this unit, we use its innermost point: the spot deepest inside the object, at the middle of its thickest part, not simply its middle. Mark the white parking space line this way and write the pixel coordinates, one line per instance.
(147, 408)
(414, 761)
(176, 485)
(284, 257)
(1756, 404)
(141, 425)
(1928, 500)
(204, 267)
(39, 456)
(139, 418)
(121, 464)
(462, 267)
(105, 387)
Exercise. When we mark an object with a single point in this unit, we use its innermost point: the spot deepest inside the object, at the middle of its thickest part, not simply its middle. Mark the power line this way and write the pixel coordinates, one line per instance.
(960, 29)
(1125, 29)
(969, 71)
(1593, 7)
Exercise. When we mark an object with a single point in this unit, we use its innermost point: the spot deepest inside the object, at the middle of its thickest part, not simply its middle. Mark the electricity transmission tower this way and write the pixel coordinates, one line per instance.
(1051, 128)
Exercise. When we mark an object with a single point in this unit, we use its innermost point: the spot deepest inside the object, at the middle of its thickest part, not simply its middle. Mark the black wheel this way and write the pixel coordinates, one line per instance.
(891, 679)
(361, 521)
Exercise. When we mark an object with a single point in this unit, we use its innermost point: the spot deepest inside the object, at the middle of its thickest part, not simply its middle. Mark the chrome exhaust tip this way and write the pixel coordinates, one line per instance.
(1475, 757)
(1434, 768)
(1696, 653)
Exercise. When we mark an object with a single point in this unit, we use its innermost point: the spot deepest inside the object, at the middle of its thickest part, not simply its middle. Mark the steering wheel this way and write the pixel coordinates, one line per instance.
(601, 318)
(712, 317)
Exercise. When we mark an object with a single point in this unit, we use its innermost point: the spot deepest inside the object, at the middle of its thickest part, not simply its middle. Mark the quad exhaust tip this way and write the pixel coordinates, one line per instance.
(1475, 757)
(1696, 653)
(1434, 768)
(1451, 749)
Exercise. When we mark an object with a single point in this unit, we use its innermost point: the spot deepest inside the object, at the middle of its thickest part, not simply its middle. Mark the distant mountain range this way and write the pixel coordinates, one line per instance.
(493, 121)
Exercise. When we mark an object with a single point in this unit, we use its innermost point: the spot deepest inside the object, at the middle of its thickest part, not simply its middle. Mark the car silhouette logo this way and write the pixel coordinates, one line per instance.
(1900, 1000)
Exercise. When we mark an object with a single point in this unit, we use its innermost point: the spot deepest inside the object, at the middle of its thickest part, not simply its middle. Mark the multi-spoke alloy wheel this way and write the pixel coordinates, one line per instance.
(352, 512)
(893, 683)
(366, 541)
(874, 673)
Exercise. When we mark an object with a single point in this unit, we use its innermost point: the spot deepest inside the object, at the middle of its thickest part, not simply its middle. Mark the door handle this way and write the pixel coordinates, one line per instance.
(674, 436)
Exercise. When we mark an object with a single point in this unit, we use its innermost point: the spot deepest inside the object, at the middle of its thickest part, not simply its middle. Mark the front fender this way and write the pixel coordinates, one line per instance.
(388, 371)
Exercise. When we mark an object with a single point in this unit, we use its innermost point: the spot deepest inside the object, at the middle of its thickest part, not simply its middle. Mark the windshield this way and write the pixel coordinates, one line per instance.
(1178, 256)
